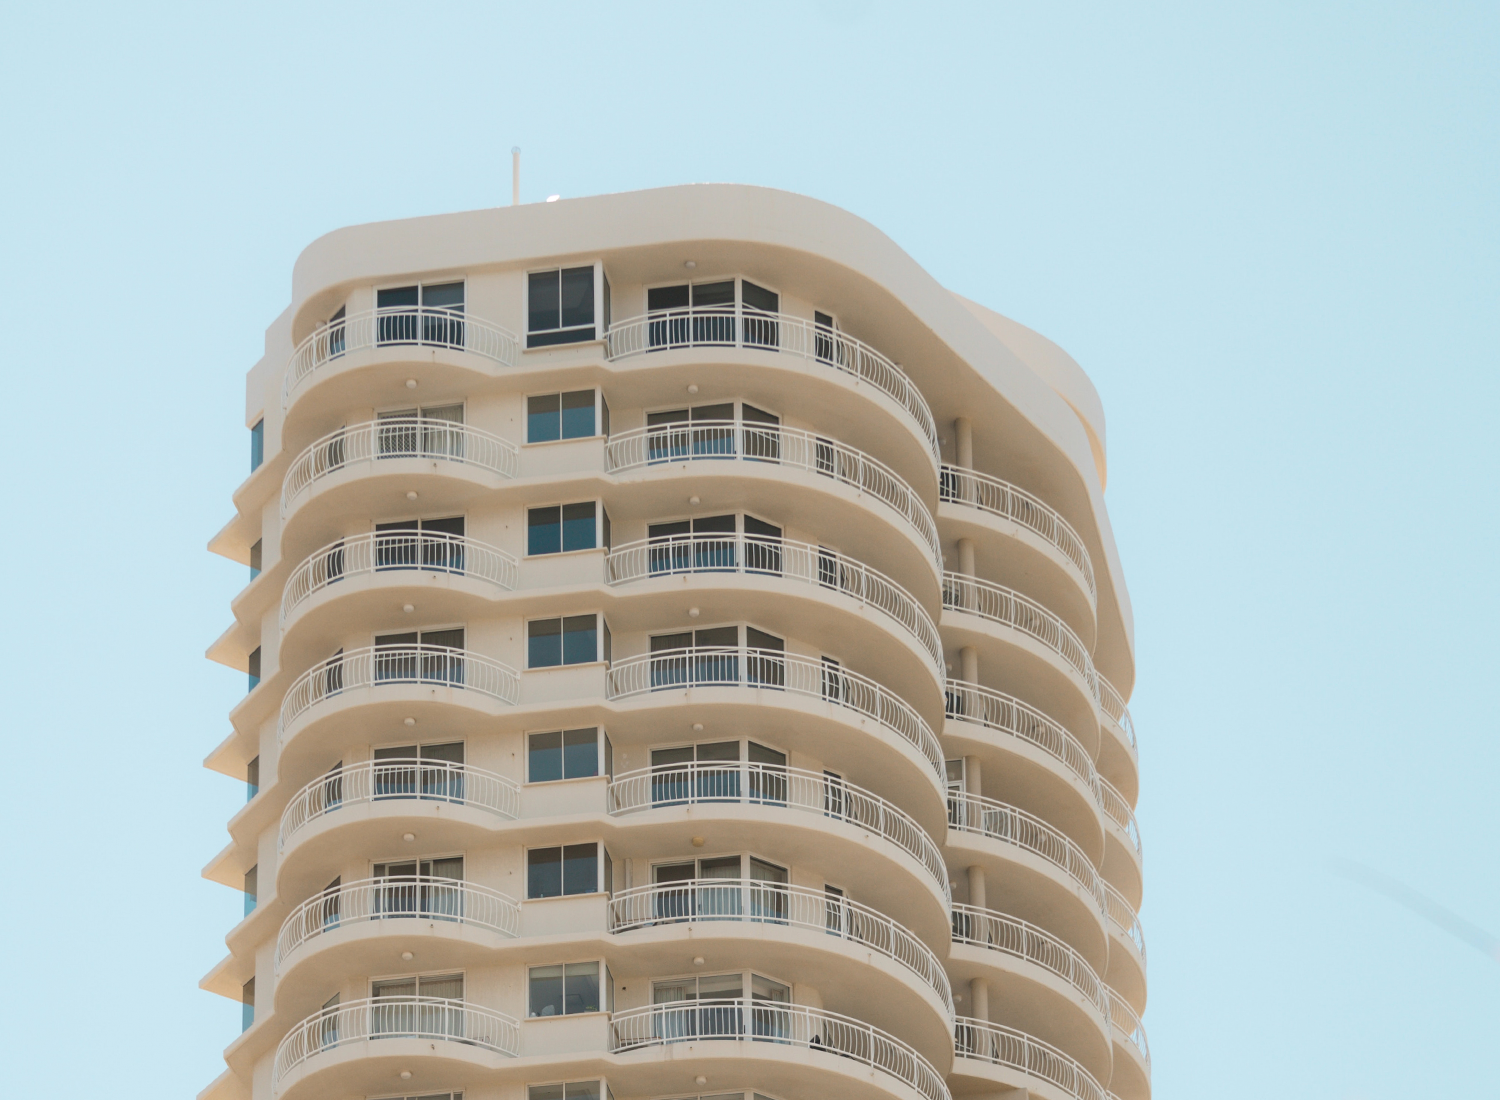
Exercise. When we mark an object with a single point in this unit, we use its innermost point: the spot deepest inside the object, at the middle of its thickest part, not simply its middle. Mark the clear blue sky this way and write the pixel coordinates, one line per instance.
(1268, 231)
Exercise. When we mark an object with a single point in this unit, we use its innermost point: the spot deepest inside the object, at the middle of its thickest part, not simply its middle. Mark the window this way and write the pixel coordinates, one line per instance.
(569, 869)
(253, 668)
(255, 559)
(425, 314)
(428, 771)
(252, 779)
(710, 655)
(691, 314)
(247, 1005)
(716, 770)
(421, 656)
(571, 640)
(435, 544)
(559, 306)
(553, 416)
(709, 544)
(562, 528)
(257, 444)
(563, 990)
(425, 887)
(713, 431)
(565, 754)
(252, 878)
(421, 432)
(572, 1090)
(404, 1018)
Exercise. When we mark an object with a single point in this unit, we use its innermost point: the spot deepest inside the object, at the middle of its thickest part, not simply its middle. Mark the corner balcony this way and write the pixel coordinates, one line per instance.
(360, 1046)
(1132, 1071)
(1127, 966)
(1122, 865)
(776, 559)
(781, 333)
(994, 1055)
(770, 1033)
(1120, 757)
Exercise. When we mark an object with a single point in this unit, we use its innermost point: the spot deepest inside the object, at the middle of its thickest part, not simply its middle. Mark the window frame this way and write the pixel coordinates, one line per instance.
(602, 642)
(603, 877)
(595, 329)
(601, 417)
(601, 525)
(606, 999)
(603, 752)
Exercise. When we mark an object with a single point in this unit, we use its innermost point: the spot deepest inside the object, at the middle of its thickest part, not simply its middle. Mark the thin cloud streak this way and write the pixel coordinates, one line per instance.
(1419, 904)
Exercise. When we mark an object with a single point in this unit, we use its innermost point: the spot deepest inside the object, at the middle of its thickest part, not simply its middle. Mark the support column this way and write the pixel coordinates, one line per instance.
(968, 664)
(976, 887)
(966, 557)
(973, 775)
(979, 998)
(963, 434)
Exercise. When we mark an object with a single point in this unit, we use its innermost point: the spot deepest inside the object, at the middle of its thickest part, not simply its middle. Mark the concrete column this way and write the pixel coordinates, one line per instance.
(976, 887)
(968, 664)
(963, 432)
(966, 557)
(979, 998)
(973, 775)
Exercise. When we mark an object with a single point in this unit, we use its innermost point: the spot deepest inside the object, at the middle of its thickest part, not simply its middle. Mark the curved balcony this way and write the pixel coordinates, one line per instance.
(728, 440)
(395, 666)
(755, 902)
(397, 781)
(779, 788)
(999, 498)
(395, 899)
(1022, 940)
(407, 437)
(432, 1020)
(768, 670)
(1128, 1029)
(1005, 714)
(397, 552)
(768, 557)
(1009, 608)
(781, 1024)
(1037, 1066)
(1123, 918)
(1127, 969)
(397, 326)
(778, 332)
(1117, 810)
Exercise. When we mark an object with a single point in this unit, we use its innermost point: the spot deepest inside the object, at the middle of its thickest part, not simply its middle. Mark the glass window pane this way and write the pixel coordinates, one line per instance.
(580, 751)
(542, 422)
(718, 987)
(583, 1090)
(546, 991)
(545, 1092)
(541, 301)
(578, 414)
(764, 989)
(450, 987)
(714, 294)
(717, 636)
(667, 297)
(544, 643)
(543, 530)
(581, 988)
(544, 873)
(760, 754)
(759, 639)
(580, 639)
(578, 526)
(577, 296)
(758, 297)
(718, 751)
(580, 868)
(444, 296)
(544, 759)
(397, 296)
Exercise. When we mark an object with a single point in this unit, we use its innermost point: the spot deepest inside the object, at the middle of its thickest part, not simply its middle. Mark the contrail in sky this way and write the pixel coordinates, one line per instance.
(1420, 904)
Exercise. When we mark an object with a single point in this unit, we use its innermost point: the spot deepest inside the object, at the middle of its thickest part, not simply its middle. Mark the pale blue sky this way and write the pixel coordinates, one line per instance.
(1268, 232)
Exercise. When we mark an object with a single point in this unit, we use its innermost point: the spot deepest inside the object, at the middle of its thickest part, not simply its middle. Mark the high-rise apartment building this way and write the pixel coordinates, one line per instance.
(687, 658)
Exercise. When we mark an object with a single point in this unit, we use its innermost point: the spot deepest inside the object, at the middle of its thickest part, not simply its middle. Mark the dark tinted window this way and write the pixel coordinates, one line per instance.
(257, 445)
(667, 297)
(560, 306)
(758, 297)
(398, 296)
(543, 643)
(580, 639)
(543, 305)
(578, 526)
(544, 530)
(578, 414)
(580, 868)
(543, 424)
(544, 872)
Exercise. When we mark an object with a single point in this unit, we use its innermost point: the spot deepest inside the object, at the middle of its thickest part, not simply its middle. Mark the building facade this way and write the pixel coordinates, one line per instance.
(687, 658)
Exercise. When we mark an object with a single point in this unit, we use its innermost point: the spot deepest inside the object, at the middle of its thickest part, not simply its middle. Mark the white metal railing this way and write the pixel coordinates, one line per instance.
(1118, 810)
(726, 326)
(398, 779)
(776, 786)
(397, 437)
(775, 1022)
(1123, 917)
(761, 555)
(1128, 1025)
(1008, 607)
(379, 666)
(971, 813)
(705, 440)
(1005, 1046)
(1112, 703)
(1013, 936)
(774, 670)
(374, 1018)
(1001, 498)
(758, 902)
(396, 326)
(966, 702)
(413, 897)
(395, 551)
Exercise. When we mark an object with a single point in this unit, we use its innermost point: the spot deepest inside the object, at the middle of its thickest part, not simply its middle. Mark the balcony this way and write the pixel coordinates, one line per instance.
(757, 556)
(381, 667)
(774, 671)
(731, 327)
(763, 903)
(1125, 927)
(1025, 1062)
(1024, 941)
(776, 788)
(398, 553)
(1130, 1034)
(361, 447)
(788, 448)
(384, 900)
(393, 327)
(780, 1026)
(451, 1029)
(1009, 608)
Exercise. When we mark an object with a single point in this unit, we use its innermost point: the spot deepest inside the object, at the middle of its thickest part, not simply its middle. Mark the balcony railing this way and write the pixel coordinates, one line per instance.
(1118, 810)
(396, 551)
(397, 437)
(1112, 703)
(404, 897)
(971, 813)
(774, 670)
(392, 665)
(1009, 608)
(757, 902)
(758, 555)
(1000, 498)
(1123, 917)
(434, 1019)
(1128, 1026)
(778, 787)
(1005, 1046)
(397, 326)
(1012, 936)
(709, 440)
(747, 328)
(398, 780)
(775, 1022)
